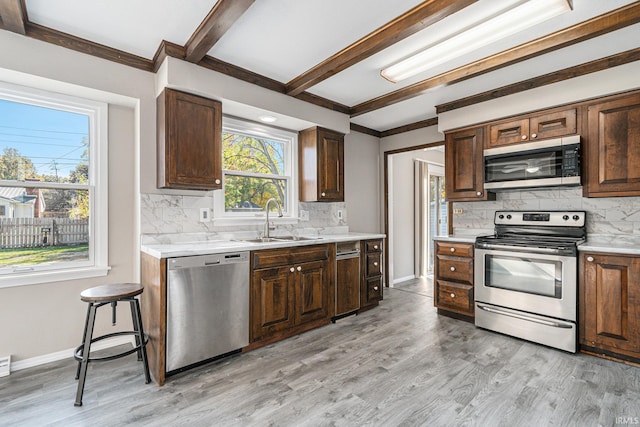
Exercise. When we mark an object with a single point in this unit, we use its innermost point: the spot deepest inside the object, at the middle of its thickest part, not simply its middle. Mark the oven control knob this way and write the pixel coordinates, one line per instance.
(508, 216)
(565, 217)
(501, 216)
(576, 217)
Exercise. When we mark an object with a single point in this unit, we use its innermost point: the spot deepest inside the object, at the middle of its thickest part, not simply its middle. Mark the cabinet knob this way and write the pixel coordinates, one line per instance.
(453, 295)
(452, 269)
(375, 247)
(218, 181)
(523, 137)
(452, 249)
(479, 193)
(375, 263)
(375, 288)
(323, 194)
(299, 268)
(292, 269)
(590, 258)
(534, 135)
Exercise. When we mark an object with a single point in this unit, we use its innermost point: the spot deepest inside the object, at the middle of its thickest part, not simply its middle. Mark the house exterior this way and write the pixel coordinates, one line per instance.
(18, 203)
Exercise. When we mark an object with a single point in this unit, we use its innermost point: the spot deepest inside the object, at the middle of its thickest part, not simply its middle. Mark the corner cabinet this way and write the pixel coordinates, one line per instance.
(291, 291)
(464, 169)
(453, 279)
(321, 165)
(609, 301)
(189, 136)
(613, 147)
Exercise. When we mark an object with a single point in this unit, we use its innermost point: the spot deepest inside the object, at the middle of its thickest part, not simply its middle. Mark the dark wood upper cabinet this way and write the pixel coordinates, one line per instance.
(464, 165)
(613, 148)
(550, 124)
(189, 141)
(321, 165)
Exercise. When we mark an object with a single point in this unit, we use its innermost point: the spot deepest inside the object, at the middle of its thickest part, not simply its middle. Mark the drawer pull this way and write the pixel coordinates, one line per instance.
(523, 137)
(453, 295)
(375, 247)
(375, 288)
(590, 258)
(323, 194)
(299, 268)
(452, 269)
(375, 263)
(292, 269)
(453, 249)
(534, 135)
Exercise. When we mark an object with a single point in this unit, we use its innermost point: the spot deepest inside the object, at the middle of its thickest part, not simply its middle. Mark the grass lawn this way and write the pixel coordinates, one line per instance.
(43, 255)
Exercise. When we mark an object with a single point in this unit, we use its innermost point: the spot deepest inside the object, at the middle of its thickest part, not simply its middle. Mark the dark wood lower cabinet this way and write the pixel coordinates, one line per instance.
(453, 280)
(609, 301)
(371, 287)
(288, 297)
(347, 285)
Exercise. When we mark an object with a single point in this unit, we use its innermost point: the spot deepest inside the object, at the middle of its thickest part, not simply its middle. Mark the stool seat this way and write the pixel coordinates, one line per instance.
(97, 297)
(111, 292)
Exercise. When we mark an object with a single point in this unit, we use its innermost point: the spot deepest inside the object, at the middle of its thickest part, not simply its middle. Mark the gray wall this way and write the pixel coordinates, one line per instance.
(361, 182)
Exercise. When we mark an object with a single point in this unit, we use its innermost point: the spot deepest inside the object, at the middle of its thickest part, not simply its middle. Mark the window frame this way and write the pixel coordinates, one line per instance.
(290, 139)
(97, 113)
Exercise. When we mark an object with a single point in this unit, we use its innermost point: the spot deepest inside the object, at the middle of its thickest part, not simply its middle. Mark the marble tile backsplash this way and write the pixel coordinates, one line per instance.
(176, 214)
(612, 216)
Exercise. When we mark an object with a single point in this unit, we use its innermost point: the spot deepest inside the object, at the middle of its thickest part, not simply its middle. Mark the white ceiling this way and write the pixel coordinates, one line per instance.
(281, 39)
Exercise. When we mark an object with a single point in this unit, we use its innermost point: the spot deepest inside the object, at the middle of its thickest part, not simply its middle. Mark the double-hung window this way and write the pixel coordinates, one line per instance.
(53, 194)
(258, 164)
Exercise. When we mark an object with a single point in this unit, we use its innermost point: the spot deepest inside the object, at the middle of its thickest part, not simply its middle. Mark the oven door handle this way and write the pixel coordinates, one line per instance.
(531, 250)
(523, 317)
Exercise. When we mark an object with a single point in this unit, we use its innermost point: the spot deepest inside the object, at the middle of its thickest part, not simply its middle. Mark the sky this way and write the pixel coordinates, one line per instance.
(52, 139)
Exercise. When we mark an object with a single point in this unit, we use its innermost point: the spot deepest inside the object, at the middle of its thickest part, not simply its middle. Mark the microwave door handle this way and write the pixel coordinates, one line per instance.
(524, 317)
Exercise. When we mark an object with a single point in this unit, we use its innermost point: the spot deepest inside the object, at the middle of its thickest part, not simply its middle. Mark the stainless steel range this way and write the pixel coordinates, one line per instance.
(526, 276)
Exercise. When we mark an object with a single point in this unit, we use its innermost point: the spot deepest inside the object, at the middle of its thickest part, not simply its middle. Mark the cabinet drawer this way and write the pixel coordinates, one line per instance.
(374, 265)
(373, 246)
(373, 291)
(289, 256)
(456, 297)
(454, 249)
(455, 268)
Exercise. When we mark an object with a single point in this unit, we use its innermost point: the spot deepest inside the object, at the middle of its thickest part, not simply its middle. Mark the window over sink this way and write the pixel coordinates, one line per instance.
(257, 165)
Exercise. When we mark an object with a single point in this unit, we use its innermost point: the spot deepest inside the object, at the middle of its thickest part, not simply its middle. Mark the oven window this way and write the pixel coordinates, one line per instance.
(546, 164)
(522, 274)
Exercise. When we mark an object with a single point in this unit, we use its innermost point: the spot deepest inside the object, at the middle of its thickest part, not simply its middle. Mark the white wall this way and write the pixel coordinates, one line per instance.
(361, 182)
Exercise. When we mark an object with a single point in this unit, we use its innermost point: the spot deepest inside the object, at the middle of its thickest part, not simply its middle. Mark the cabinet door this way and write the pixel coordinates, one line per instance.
(611, 302)
(347, 285)
(553, 125)
(312, 292)
(452, 296)
(330, 166)
(272, 301)
(507, 133)
(372, 291)
(613, 148)
(189, 141)
(464, 169)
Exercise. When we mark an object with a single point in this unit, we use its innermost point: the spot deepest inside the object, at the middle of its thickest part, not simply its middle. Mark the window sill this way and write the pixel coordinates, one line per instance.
(253, 221)
(34, 278)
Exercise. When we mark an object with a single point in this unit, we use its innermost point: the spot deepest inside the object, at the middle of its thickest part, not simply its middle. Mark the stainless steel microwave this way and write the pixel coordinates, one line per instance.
(554, 162)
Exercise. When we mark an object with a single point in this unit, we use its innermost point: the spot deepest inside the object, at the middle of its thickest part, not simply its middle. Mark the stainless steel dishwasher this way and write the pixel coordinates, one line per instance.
(207, 307)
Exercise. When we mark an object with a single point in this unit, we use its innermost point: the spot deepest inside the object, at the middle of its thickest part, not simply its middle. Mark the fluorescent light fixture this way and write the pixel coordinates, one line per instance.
(267, 119)
(523, 15)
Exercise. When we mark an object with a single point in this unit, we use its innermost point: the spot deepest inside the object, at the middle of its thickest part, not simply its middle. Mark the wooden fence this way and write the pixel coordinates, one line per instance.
(38, 232)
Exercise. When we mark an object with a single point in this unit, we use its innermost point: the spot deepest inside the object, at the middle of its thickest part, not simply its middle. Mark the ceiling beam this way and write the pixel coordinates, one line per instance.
(547, 79)
(608, 22)
(221, 17)
(13, 16)
(416, 19)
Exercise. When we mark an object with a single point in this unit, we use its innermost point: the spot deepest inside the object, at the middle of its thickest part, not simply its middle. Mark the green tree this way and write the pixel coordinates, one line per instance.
(14, 166)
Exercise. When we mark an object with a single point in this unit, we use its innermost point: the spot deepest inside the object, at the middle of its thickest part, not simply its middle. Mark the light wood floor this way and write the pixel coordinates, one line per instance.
(399, 364)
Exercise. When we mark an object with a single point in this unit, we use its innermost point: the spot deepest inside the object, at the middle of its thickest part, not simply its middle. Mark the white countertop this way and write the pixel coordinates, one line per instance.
(460, 238)
(618, 247)
(171, 250)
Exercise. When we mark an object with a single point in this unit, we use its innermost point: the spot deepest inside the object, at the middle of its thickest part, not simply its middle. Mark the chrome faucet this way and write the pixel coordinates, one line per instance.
(266, 209)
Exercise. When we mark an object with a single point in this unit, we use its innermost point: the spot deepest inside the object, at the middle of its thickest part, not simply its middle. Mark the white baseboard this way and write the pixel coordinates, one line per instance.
(66, 354)
(404, 279)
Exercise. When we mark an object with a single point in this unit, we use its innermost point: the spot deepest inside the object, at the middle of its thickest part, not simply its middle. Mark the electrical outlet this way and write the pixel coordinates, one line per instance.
(457, 211)
(304, 215)
(205, 215)
(340, 214)
(5, 366)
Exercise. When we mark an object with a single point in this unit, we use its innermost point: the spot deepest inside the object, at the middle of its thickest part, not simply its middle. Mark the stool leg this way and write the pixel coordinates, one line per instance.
(85, 353)
(143, 343)
(84, 336)
(135, 327)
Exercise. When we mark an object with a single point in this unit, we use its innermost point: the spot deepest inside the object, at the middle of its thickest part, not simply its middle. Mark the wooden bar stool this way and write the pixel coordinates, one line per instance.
(96, 298)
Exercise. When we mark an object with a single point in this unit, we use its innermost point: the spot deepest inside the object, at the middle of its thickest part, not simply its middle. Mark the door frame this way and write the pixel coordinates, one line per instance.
(386, 200)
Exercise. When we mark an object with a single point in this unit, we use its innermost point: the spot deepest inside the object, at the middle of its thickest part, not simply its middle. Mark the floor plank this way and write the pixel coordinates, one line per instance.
(399, 364)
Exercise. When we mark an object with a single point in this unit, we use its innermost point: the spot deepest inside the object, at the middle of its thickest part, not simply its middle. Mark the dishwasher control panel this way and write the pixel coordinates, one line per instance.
(207, 260)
